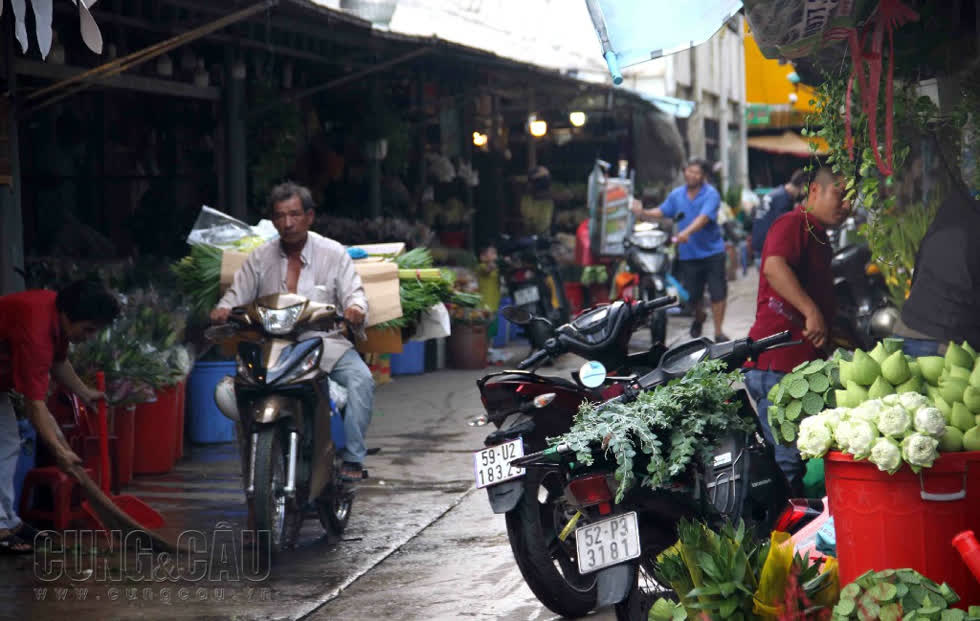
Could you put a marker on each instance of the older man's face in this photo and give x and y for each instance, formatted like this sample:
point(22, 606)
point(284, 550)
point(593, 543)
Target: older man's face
point(291, 220)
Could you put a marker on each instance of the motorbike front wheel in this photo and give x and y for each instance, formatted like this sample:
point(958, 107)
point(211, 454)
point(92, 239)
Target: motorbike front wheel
point(548, 564)
point(269, 501)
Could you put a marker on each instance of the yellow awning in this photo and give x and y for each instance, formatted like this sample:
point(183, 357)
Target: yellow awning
point(789, 143)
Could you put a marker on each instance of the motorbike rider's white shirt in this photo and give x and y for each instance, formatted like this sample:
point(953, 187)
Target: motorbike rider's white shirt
point(326, 275)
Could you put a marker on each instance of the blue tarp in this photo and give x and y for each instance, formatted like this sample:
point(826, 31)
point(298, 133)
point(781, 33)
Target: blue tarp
point(635, 31)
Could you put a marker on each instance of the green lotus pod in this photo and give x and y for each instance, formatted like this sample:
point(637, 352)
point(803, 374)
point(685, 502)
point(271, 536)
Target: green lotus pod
point(914, 384)
point(864, 369)
point(956, 356)
point(895, 369)
point(966, 346)
point(892, 344)
point(971, 398)
point(952, 389)
point(843, 399)
point(881, 388)
point(856, 394)
point(959, 373)
point(932, 368)
point(932, 392)
point(951, 441)
point(962, 417)
point(971, 439)
point(878, 353)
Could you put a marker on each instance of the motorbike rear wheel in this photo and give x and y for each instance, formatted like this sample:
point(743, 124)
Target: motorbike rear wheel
point(547, 564)
point(269, 502)
point(333, 508)
point(646, 591)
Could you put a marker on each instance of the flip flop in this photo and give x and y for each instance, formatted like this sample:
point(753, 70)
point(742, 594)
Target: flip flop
point(351, 471)
point(14, 545)
point(26, 531)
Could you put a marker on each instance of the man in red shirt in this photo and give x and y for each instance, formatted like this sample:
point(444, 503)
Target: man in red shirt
point(796, 293)
point(36, 328)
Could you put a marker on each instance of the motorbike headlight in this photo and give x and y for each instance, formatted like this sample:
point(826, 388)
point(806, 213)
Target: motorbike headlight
point(280, 320)
point(650, 262)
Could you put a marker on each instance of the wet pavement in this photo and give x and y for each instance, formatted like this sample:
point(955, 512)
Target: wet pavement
point(422, 542)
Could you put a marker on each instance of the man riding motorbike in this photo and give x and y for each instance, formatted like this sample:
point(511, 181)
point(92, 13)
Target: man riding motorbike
point(318, 268)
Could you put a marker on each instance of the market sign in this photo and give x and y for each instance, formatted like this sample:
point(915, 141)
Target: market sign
point(757, 114)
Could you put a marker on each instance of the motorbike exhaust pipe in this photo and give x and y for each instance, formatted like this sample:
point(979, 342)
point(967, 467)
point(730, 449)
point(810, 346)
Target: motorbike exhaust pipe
point(290, 489)
point(250, 490)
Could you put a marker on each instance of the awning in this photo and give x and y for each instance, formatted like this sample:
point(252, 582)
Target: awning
point(789, 143)
point(635, 31)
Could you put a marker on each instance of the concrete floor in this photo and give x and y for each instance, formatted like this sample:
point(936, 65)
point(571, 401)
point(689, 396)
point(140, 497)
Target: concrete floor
point(422, 542)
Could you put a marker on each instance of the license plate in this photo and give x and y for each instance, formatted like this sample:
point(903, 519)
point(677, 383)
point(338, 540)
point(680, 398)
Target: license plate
point(492, 465)
point(609, 542)
point(527, 295)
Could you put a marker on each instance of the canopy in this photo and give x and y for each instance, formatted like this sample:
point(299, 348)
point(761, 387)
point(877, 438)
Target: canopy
point(635, 31)
point(789, 143)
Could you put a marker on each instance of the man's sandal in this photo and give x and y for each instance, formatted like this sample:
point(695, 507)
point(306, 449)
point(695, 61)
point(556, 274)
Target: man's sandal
point(13, 544)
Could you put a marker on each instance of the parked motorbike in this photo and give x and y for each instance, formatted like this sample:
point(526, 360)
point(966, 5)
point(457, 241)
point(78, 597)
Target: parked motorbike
point(619, 543)
point(865, 312)
point(289, 430)
point(648, 259)
point(527, 408)
point(532, 276)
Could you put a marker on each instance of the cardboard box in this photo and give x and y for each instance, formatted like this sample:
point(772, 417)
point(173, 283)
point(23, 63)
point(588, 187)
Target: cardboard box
point(380, 280)
point(381, 341)
point(379, 277)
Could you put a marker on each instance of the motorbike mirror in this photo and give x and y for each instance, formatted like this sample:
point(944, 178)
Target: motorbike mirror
point(515, 315)
point(592, 374)
point(543, 401)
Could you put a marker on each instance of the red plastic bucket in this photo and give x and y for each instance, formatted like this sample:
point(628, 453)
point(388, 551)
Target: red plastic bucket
point(884, 521)
point(181, 401)
point(123, 425)
point(154, 439)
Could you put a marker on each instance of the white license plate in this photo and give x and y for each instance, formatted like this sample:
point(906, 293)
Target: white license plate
point(527, 295)
point(609, 542)
point(492, 465)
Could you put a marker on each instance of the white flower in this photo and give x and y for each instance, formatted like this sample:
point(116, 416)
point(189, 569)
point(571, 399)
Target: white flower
point(868, 411)
point(894, 421)
point(861, 438)
point(833, 417)
point(890, 400)
point(842, 434)
point(913, 401)
point(930, 421)
point(887, 455)
point(814, 438)
point(919, 451)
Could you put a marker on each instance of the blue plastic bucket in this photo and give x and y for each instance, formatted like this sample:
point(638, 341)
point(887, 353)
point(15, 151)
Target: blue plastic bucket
point(505, 329)
point(411, 361)
point(25, 459)
point(206, 423)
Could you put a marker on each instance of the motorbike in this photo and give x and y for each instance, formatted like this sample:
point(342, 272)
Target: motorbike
point(527, 408)
point(619, 543)
point(865, 312)
point(532, 276)
point(648, 259)
point(288, 426)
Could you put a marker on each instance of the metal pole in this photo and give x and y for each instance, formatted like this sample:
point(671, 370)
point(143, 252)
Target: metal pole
point(11, 216)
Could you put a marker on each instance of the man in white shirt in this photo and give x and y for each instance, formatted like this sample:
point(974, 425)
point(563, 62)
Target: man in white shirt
point(320, 269)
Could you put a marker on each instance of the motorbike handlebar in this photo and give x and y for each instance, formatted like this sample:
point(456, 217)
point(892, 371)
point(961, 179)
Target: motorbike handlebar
point(652, 305)
point(539, 356)
point(770, 342)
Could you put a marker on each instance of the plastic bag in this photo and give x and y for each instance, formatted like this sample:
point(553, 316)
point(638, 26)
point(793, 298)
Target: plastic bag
point(433, 324)
point(797, 28)
point(214, 228)
point(772, 581)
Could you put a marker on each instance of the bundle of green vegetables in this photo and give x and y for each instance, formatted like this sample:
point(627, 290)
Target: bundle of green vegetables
point(657, 436)
point(199, 277)
point(422, 286)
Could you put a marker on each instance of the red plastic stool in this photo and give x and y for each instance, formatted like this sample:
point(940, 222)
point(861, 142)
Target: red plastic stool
point(66, 503)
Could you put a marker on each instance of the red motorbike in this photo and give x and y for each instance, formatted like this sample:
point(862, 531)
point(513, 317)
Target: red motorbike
point(527, 408)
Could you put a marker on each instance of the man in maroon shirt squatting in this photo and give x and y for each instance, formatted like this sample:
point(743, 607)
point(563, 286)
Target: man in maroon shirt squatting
point(36, 328)
point(796, 293)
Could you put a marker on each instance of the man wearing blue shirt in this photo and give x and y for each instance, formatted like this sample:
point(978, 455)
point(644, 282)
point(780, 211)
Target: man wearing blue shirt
point(701, 248)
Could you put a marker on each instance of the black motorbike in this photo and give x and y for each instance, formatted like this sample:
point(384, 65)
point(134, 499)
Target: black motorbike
point(618, 543)
point(532, 277)
point(527, 409)
point(647, 257)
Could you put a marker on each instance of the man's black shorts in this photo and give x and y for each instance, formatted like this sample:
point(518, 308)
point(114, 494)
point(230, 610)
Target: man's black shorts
point(710, 271)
